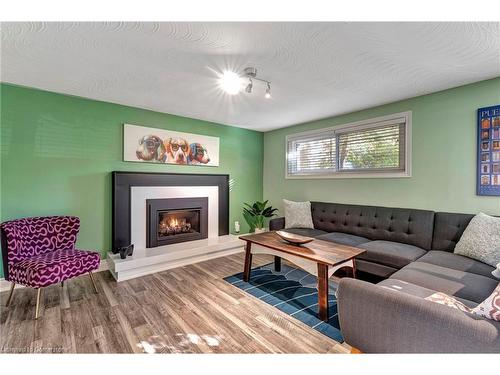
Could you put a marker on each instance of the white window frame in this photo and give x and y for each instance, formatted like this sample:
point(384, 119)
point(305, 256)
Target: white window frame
point(358, 125)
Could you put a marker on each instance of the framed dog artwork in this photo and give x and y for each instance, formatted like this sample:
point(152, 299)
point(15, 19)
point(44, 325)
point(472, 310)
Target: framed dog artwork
point(152, 145)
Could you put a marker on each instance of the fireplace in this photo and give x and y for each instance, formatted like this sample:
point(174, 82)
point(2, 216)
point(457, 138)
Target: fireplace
point(175, 220)
point(131, 190)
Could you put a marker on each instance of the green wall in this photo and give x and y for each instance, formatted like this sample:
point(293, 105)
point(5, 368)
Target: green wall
point(58, 151)
point(443, 158)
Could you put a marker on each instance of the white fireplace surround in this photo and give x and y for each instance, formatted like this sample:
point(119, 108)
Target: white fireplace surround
point(139, 195)
point(149, 260)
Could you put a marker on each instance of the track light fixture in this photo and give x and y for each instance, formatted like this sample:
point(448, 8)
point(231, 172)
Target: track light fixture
point(248, 89)
point(268, 91)
point(251, 74)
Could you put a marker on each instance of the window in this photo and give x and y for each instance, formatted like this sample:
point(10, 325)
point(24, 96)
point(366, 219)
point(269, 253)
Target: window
point(373, 148)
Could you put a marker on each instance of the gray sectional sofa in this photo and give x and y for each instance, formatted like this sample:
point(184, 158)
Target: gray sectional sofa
point(411, 251)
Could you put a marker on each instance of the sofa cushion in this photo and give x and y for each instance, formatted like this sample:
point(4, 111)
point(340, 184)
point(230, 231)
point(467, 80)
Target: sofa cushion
point(392, 254)
point(343, 238)
point(53, 267)
point(416, 290)
point(405, 225)
point(448, 228)
point(374, 268)
point(469, 286)
point(457, 262)
point(277, 223)
point(305, 231)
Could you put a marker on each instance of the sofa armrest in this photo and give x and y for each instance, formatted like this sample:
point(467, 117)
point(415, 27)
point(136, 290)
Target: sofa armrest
point(277, 223)
point(375, 319)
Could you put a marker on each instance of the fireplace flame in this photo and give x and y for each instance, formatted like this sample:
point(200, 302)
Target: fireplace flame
point(169, 226)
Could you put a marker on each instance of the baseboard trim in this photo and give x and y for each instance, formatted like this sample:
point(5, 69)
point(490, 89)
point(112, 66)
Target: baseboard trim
point(5, 285)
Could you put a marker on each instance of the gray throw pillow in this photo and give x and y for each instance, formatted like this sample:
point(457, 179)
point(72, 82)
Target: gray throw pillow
point(481, 240)
point(298, 214)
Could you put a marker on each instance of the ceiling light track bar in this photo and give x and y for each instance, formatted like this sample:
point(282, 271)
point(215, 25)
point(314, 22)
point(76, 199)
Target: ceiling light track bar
point(252, 74)
point(260, 79)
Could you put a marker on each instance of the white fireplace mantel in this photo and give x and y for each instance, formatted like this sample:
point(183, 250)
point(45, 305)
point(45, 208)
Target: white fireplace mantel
point(149, 260)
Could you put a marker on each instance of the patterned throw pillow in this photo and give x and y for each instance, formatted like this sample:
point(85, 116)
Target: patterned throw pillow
point(496, 272)
point(481, 240)
point(444, 299)
point(490, 308)
point(298, 214)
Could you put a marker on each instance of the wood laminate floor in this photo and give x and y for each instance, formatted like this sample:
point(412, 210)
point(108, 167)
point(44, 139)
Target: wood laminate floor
point(189, 309)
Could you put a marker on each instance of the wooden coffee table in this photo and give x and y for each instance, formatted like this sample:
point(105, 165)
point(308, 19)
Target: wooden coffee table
point(319, 258)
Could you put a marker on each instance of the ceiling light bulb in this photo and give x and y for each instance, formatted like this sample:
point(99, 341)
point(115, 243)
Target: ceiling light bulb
point(248, 89)
point(268, 92)
point(230, 82)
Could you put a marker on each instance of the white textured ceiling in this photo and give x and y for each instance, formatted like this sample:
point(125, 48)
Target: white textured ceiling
point(317, 69)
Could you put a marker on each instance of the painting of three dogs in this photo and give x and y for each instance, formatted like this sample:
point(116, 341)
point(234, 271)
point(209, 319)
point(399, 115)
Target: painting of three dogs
point(168, 147)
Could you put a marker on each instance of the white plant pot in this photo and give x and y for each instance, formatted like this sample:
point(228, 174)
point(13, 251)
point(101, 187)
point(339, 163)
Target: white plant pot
point(258, 230)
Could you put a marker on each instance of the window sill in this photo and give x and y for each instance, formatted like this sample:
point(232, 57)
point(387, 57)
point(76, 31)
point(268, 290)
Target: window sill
point(348, 175)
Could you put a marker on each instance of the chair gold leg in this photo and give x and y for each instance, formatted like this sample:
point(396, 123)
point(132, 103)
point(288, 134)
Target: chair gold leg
point(38, 295)
point(93, 282)
point(10, 294)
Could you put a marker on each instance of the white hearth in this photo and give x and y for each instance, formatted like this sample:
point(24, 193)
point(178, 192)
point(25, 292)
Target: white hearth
point(161, 258)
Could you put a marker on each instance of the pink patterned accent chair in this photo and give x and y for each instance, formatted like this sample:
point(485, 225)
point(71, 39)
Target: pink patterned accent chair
point(40, 251)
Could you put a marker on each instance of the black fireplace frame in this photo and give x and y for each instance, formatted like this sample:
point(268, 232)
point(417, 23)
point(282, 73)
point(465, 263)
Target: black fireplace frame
point(153, 205)
point(121, 189)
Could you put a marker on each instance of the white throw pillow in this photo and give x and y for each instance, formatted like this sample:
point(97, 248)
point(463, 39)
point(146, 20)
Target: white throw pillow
point(298, 214)
point(481, 240)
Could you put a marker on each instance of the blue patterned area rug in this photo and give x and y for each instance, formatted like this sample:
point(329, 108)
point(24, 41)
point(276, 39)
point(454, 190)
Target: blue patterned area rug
point(294, 292)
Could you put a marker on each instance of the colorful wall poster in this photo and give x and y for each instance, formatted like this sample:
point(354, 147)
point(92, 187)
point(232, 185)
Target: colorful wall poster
point(488, 160)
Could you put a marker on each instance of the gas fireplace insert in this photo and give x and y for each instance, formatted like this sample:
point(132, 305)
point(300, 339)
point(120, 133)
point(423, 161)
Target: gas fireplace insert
point(175, 220)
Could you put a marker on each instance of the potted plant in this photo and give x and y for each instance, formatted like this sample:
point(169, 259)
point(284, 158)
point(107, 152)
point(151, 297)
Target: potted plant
point(256, 214)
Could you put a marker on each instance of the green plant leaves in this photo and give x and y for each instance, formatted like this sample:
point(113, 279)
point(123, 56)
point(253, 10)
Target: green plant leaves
point(269, 212)
point(256, 213)
point(250, 219)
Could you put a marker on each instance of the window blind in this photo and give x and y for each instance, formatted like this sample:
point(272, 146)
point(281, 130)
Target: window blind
point(380, 148)
point(369, 147)
point(309, 155)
